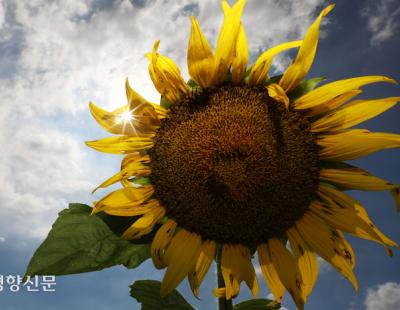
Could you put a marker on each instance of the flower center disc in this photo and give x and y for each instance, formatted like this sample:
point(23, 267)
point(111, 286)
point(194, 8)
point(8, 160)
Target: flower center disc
point(235, 166)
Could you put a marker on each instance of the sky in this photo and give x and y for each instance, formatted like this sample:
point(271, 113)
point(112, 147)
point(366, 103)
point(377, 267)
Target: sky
point(56, 56)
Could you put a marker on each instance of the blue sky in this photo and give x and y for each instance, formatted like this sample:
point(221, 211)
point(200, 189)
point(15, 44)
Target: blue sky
point(57, 55)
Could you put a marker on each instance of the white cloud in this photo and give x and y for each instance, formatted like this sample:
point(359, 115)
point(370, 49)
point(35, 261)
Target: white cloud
point(384, 297)
point(382, 20)
point(2, 14)
point(63, 54)
point(2, 239)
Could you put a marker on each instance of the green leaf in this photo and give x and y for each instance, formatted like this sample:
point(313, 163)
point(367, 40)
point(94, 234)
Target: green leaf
point(165, 103)
point(79, 242)
point(147, 292)
point(305, 87)
point(257, 304)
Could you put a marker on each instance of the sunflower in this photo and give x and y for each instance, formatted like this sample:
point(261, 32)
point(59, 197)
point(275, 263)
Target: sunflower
point(234, 163)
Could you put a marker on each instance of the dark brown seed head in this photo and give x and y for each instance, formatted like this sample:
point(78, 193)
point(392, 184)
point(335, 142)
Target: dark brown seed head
point(235, 166)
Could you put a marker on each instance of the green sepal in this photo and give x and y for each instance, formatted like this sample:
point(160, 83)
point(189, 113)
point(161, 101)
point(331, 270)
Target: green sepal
point(141, 181)
point(257, 304)
point(164, 103)
point(147, 292)
point(304, 87)
point(192, 83)
point(272, 80)
point(79, 242)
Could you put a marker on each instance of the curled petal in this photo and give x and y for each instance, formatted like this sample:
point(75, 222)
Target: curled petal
point(304, 59)
point(261, 67)
point(166, 76)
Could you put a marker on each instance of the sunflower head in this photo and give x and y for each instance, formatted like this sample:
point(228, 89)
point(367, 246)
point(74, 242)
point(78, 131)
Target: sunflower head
point(241, 162)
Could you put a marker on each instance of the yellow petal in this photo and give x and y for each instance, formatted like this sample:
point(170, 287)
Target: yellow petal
point(261, 67)
point(181, 256)
point(287, 270)
point(304, 59)
point(334, 103)
point(135, 100)
point(135, 168)
point(227, 41)
point(355, 178)
point(345, 213)
point(276, 92)
point(144, 225)
point(121, 144)
point(199, 271)
point(161, 241)
point(241, 52)
point(240, 57)
point(126, 121)
point(200, 57)
point(352, 144)
point(236, 266)
point(133, 210)
point(353, 114)
point(269, 273)
point(327, 92)
point(124, 198)
point(166, 76)
point(306, 261)
point(326, 242)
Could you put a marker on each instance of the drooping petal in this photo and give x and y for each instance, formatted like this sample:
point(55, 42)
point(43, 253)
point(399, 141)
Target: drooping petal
point(134, 168)
point(353, 114)
point(276, 92)
point(287, 270)
point(180, 256)
point(306, 261)
point(304, 59)
point(327, 92)
point(121, 144)
point(166, 76)
point(334, 103)
point(203, 263)
point(145, 224)
point(236, 267)
point(326, 242)
point(355, 178)
point(200, 57)
point(347, 214)
point(269, 273)
point(123, 198)
point(161, 241)
point(356, 143)
point(227, 41)
point(261, 67)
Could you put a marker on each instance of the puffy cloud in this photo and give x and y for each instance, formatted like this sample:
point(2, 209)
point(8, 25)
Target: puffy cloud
point(384, 297)
point(382, 20)
point(56, 56)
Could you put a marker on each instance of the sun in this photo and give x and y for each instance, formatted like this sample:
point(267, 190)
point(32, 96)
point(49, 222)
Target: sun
point(234, 163)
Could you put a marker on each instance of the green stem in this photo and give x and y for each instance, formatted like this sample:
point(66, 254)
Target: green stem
point(223, 304)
